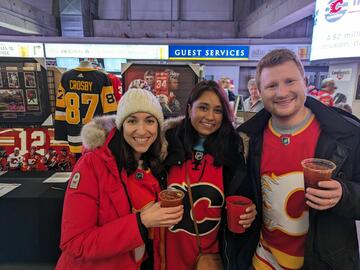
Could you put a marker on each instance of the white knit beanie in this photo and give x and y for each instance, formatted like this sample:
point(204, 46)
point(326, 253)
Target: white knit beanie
point(138, 100)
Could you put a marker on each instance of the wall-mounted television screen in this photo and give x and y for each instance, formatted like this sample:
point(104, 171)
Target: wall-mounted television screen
point(113, 64)
point(67, 62)
point(336, 32)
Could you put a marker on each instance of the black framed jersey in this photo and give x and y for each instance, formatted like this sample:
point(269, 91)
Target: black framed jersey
point(82, 94)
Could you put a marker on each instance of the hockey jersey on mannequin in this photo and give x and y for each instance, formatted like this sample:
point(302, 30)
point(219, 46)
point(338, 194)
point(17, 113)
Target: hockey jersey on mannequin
point(82, 94)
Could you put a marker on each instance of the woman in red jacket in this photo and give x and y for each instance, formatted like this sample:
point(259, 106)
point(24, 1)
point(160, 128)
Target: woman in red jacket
point(110, 216)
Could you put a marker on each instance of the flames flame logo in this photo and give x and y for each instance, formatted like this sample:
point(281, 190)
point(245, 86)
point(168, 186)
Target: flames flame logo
point(335, 10)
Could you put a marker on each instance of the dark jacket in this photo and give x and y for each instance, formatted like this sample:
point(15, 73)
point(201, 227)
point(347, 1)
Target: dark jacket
point(234, 173)
point(332, 239)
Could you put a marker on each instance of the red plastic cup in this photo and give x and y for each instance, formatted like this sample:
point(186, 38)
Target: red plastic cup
point(235, 207)
point(171, 197)
point(316, 170)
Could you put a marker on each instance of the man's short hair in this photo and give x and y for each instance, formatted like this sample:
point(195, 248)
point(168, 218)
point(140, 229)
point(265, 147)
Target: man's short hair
point(325, 82)
point(251, 82)
point(277, 57)
point(223, 79)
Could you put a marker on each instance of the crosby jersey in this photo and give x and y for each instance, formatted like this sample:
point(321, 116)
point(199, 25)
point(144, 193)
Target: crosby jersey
point(82, 94)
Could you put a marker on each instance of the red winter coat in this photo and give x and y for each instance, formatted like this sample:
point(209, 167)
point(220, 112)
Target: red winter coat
point(98, 229)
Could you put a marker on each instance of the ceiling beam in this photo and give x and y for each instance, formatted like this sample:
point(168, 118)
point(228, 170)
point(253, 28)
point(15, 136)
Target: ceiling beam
point(20, 17)
point(274, 15)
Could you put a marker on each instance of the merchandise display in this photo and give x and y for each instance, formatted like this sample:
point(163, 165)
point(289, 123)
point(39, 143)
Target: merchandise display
point(83, 93)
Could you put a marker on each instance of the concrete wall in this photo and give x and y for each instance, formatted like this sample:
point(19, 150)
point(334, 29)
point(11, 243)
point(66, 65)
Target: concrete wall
point(44, 5)
point(110, 9)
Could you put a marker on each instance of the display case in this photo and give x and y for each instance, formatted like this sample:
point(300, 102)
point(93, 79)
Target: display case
point(24, 96)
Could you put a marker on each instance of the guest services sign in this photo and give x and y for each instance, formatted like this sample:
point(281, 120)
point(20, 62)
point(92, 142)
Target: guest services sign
point(209, 52)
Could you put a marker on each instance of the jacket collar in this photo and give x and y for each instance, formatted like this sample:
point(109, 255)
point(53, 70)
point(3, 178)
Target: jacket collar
point(174, 135)
point(330, 121)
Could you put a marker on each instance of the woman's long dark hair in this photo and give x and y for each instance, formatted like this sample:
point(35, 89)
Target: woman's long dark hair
point(125, 158)
point(218, 142)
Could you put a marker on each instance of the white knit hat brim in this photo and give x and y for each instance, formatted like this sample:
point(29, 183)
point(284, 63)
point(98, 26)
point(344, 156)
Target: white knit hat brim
point(138, 100)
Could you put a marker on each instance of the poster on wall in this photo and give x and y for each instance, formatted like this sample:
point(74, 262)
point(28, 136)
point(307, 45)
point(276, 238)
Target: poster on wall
point(171, 84)
point(33, 149)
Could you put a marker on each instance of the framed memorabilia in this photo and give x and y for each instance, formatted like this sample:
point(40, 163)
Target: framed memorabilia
point(13, 79)
point(24, 96)
point(12, 100)
point(171, 84)
point(55, 155)
point(31, 97)
point(29, 79)
point(1, 81)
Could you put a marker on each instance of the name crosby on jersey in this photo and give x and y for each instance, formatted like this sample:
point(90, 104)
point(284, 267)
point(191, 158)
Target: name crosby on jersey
point(80, 85)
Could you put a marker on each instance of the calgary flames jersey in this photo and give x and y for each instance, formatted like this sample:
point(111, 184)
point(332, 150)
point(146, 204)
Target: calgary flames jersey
point(82, 94)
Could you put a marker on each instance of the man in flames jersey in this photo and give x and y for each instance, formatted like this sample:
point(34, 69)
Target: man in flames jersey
point(15, 159)
point(285, 214)
point(31, 160)
point(82, 94)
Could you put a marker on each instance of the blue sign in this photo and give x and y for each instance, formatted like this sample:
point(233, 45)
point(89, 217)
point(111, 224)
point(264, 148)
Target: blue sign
point(208, 52)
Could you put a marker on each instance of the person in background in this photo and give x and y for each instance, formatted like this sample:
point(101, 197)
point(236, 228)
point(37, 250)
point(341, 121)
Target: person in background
point(225, 83)
point(298, 228)
point(111, 217)
point(65, 160)
point(31, 160)
point(149, 77)
point(205, 147)
point(15, 160)
point(4, 165)
point(253, 103)
point(51, 159)
point(325, 95)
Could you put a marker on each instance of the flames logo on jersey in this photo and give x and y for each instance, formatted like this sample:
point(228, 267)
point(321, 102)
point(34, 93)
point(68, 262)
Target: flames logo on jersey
point(335, 10)
point(206, 197)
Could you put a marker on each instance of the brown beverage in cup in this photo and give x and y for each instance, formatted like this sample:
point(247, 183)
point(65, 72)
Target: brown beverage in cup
point(316, 170)
point(171, 197)
point(235, 207)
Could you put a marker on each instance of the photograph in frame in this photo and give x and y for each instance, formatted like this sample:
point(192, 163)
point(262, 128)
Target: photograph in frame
point(12, 100)
point(171, 84)
point(13, 79)
point(31, 97)
point(29, 79)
